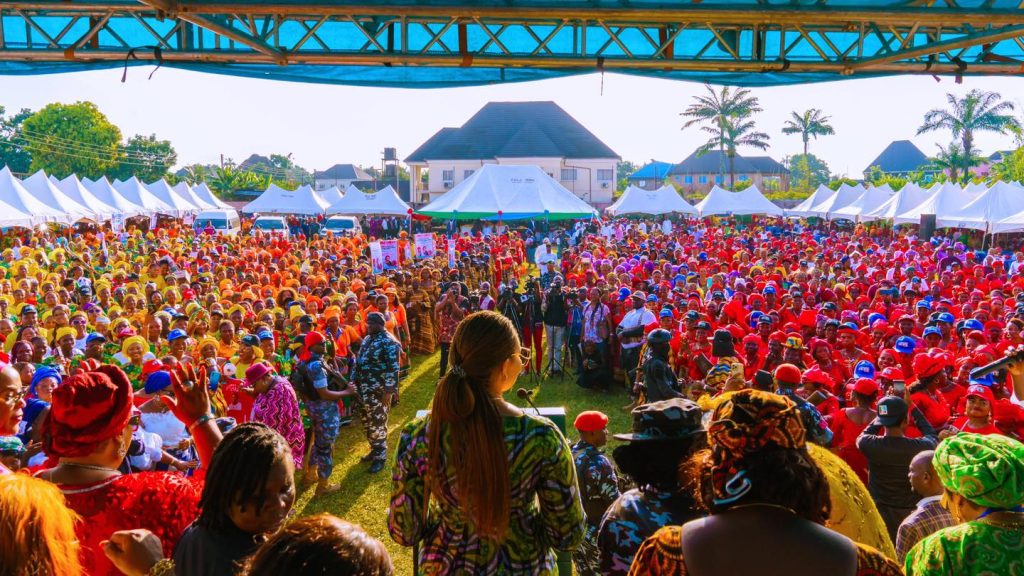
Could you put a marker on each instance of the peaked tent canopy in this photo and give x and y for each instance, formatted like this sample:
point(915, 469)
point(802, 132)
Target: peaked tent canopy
point(74, 189)
point(204, 193)
point(664, 200)
point(945, 204)
point(720, 202)
point(179, 205)
point(909, 196)
point(753, 202)
point(9, 215)
point(14, 194)
point(842, 198)
point(382, 202)
point(137, 193)
point(1000, 202)
point(107, 194)
point(508, 192)
point(332, 194)
point(276, 200)
point(185, 191)
point(870, 200)
point(40, 186)
point(803, 209)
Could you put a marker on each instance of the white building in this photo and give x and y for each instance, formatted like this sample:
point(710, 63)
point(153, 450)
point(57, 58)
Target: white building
point(529, 133)
point(341, 176)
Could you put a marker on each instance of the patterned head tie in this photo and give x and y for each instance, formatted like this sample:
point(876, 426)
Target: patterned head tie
point(987, 470)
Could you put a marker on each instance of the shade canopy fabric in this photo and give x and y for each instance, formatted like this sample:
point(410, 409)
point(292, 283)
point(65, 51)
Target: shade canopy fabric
point(870, 200)
point(906, 198)
point(205, 194)
point(987, 212)
point(945, 203)
point(11, 215)
point(137, 193)
point(276, 200)
point(509, 192)
point(74, 189)
point(382, 202)
point(107, 194)
point(178, 204)
point(721, 202)
point(40, 186)
point(843, 197)
point(664, 200)
point(803, 209)
point(185, 191)
point(23, 202)
point(330, 195)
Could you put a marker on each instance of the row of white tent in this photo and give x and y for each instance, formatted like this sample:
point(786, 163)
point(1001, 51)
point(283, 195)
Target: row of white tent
point(41, 199)
point(718, 202)
point(309, 202)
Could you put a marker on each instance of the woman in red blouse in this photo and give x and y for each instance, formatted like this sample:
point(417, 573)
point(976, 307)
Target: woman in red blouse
point(848, 423)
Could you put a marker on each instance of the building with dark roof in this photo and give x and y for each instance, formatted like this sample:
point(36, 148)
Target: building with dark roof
point(650, 176)
point(699, 173)
point(533, 133)
point(901, 158)
point(341, 175)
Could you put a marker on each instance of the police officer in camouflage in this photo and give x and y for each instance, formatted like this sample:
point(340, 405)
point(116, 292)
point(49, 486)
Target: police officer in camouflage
point(375, 376)
point(598, 485)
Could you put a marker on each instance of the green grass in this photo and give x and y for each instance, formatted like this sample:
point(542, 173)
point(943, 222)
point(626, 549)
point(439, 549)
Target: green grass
point(364, 497)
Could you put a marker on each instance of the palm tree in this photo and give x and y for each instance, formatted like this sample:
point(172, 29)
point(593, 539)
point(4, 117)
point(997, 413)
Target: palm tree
point(716, 110)
point(730, 134)
point(978, 111)
point(811, 123)
point(224, 180)
point(951, 161)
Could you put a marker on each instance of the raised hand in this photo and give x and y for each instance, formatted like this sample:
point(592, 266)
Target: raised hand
point(191, 393)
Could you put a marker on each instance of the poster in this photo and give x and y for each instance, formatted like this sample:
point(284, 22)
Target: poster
point(117, 222)
point(376, 257)
point(425, 246)
point(389, 251)
point(451, 253)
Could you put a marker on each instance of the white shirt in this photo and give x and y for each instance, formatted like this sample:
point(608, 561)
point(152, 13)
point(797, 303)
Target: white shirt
point(634, 319)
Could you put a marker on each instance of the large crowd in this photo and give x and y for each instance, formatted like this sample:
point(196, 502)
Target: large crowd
point(800, 394)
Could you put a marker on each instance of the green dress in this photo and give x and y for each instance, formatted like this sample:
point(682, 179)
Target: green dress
point(978, 548)
point(546, 513)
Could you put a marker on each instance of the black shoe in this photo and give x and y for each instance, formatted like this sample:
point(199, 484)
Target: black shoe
point(377, 466)
point(367, 458)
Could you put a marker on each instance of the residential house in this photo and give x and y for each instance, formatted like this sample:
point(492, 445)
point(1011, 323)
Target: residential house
point(651, 176)
point(901, 158)
point(521, 133)
point(341, 176)
point(697, 174)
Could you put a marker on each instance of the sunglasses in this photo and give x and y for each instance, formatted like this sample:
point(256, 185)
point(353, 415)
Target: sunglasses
point(14, 396)
point(525, 355)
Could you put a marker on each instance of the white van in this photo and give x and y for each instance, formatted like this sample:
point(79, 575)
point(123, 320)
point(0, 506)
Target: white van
point(271, 225)
point(339, 225)
point(224, 222)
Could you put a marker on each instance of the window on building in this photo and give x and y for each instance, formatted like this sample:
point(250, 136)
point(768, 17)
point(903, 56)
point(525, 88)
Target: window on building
point(744, 177)
point(718, 178)
point(568, 175)
point(688, 179)
point(467, 173)
point(448, 175)
point(641, 183)
point(606, 175)
point(703, 179)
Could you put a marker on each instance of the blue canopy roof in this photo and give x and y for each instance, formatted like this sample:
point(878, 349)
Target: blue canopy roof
point(440, 43)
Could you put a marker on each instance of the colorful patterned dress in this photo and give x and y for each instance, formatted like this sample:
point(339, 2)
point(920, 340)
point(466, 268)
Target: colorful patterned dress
point(279, 408)
point(982, 547)
point(545, 513)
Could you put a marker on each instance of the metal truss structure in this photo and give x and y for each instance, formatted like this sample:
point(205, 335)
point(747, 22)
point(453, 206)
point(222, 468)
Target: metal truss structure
point(429, 43)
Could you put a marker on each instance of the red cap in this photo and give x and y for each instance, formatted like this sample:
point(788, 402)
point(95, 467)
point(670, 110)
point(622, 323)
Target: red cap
point(590, 421)
point(867, 386)
point(977, 335)
point(892, 373)
point(929, 363)
point(983, 392)
point(787, 373)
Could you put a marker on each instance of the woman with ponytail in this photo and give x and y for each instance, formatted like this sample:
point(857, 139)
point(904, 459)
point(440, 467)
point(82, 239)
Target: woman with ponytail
point(482, 486)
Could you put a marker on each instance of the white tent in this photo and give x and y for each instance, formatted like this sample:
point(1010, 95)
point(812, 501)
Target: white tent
point(75, 190)
point(137, 193)
point(204, 193)
point(976, 187)
point(751, 201)
point(842, 198)
point(276, 200)
point(9, 214)
point(179, 205)
point(870, 200)
point(40, 186)
point(1000, 202)
point(185, 191)
point(107, 194)
point(803, 209)
point(14, 194)
point(509, 192)
point(382, 202)
point(945, 204)
point(664, 200)
point(909, 196)
point(332, 194)
point(745, 202)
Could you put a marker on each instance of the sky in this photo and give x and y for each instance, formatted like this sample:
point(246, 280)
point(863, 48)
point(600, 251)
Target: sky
point(206, 116)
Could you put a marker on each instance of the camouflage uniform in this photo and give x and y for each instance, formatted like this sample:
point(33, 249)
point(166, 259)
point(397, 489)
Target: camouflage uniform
point(326, 421)
point(598, 490)
point(376, 373)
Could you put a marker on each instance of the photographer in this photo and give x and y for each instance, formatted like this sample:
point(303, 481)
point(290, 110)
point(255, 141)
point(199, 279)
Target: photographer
point(631, 333)
point(533, 323)
point(556, 316)
point(450, 311)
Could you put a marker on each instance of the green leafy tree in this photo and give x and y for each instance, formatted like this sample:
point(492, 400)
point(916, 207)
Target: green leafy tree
point(807, 172)
point(1011, 167)
point(623, 170)
point(721, 114)
point(66, 139)
point(835, 184)
point(146, 158)
point(812, 123)
point(954, 162)
point(978, 111)
point(731, 134)
point(12, 149)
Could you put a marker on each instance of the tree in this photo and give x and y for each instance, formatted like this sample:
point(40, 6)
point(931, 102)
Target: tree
point(811, 123)
point(978, 111)
point(66, 139)
point(729, 135)
point(716, 111)
point(952, 160)
point(146, 158)
point(12, 150)
point(807, 172)
point(623, 170)
point(1011, 167)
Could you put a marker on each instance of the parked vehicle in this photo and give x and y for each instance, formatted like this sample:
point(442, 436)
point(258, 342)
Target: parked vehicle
point(224, 222)
point(271, 225)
